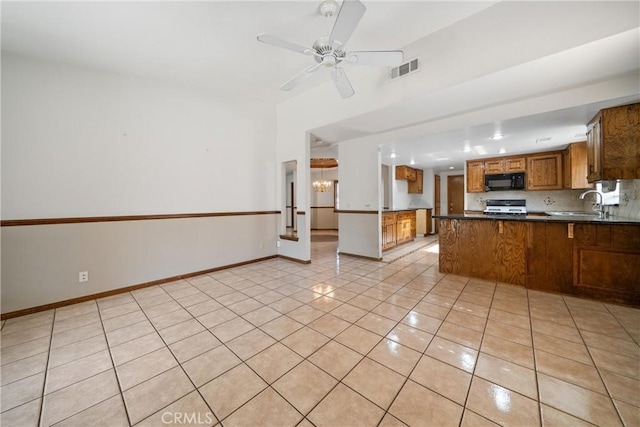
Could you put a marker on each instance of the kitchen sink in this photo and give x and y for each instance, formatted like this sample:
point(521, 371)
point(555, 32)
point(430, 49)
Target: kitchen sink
point(583, 214)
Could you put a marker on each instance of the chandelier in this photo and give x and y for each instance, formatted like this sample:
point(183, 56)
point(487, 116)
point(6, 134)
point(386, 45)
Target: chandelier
point(322, 185)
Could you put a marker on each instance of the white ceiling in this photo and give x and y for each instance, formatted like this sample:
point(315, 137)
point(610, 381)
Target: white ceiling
point(211, 45)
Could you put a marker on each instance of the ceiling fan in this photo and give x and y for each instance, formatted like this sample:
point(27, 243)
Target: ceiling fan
point(329, 51)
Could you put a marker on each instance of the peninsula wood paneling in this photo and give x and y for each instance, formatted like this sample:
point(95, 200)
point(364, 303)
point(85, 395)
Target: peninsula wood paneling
point(596, 260)
point(492, 250)
point(549, 257)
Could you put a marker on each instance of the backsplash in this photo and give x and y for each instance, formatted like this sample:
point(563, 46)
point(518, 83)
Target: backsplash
point(563, 200)
point(538, 201)
point(629, 200)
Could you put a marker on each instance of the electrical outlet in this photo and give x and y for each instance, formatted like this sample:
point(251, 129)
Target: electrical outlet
point(83, 276)
point(277, 243)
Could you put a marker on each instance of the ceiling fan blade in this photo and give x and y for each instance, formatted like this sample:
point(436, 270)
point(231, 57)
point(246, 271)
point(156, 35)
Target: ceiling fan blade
point(348, 17)
point(382, 57)
point(304, 74)
point(275, 41)
point(341, 81)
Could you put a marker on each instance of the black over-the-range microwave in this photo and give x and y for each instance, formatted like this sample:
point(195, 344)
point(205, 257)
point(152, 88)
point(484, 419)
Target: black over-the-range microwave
point(504, 181)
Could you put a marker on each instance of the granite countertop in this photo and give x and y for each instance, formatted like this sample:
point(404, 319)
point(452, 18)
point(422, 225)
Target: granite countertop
point(543, 218)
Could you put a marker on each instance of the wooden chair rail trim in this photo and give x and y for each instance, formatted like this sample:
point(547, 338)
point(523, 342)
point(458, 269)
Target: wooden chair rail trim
point(80, 220)
point(355, 211)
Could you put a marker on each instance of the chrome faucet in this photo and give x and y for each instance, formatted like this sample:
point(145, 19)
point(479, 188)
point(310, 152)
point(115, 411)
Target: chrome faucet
point(599, 208)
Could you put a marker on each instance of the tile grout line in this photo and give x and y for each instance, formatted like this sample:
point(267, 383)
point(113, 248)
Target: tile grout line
point(475, 365)
point(177, 361)
point(535, 359)
point(46, 370)
point(606, 387)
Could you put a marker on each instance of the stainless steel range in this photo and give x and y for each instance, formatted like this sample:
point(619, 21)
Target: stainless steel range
point(506, 207)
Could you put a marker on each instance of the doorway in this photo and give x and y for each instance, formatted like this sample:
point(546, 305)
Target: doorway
point(455, 194)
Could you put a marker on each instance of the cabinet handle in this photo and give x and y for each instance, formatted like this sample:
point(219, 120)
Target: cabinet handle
point(570, 230)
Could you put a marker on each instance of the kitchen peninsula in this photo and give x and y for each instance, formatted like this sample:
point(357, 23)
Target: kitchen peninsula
point(599, 258)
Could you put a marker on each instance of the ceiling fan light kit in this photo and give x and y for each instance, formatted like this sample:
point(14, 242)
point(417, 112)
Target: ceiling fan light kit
point(330, 52)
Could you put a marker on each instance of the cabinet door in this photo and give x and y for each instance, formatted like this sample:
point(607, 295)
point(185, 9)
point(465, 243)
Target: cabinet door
point(415, 187)
point(494, 166)
point(544, 172)
point(401, 172)
point(620, 142)
point(574, 160)
point(515, 165)
point(475, 177)
point(594, 150)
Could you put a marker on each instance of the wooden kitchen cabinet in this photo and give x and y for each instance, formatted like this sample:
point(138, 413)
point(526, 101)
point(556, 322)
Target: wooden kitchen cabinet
point(505, 165)
point(405, 173)
point(544, 171)
point(404, 227)
point(388, 230)
point(613, 144)
point(475, 176)
point(415, 187)
point(398, 228)
point(575, 167)
point(606, 262)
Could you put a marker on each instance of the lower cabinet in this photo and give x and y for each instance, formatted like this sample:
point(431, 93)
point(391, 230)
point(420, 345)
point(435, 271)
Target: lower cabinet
point(595, 260)
point(398, 228)
point(388, 231)
point(606, 262)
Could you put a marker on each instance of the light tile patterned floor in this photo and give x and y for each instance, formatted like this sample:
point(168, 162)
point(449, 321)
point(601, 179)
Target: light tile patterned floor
point(339, 342)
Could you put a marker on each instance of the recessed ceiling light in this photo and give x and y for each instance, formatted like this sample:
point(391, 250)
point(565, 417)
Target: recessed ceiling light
point(502, 151)
point(393, 155)
point(412, 162)
point(441, 159)
point(497, 137)
point(466, 149)
point(450, 167)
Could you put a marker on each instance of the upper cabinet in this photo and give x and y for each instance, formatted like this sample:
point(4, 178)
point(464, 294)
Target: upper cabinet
point(415, 187)
point(613, 144)
point(544, 171)
point(405, 173)
point(506, 165)
point(475, 176)
point(415, 178)
point(574, 159)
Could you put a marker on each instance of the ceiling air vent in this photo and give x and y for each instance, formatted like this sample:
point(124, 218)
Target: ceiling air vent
point(404, 69)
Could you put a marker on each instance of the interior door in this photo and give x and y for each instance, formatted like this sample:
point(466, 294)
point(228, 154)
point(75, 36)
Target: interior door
point(455, 194)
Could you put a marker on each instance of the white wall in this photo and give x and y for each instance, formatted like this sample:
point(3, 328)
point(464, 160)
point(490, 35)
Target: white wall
point(78, 142)
point(360, 177)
